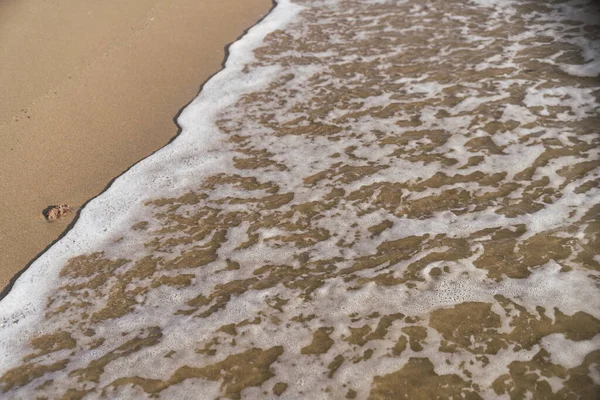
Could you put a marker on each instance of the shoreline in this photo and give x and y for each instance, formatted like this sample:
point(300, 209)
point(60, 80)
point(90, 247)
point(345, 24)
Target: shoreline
point(109, 100)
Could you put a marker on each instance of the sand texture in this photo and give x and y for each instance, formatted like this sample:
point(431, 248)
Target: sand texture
point(88, 89)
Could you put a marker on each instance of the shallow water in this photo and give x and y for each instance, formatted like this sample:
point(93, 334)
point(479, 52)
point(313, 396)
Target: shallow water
point(375, 199)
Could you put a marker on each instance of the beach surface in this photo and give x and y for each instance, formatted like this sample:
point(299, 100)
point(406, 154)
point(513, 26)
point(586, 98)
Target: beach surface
point(88, 89)
point(373, 199)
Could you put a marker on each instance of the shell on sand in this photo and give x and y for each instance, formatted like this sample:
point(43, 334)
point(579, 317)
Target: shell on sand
point(53, 213)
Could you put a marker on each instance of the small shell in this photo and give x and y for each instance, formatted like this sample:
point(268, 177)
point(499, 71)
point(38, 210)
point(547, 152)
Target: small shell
point(53, 213)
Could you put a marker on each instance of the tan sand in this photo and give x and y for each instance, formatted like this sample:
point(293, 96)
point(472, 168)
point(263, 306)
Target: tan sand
point(90, 88)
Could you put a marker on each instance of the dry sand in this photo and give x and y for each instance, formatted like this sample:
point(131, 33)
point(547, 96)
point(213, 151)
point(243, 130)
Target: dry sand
point(90, 88)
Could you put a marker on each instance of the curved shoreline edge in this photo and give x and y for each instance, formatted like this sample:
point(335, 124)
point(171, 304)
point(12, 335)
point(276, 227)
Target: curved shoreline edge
point(111, 210)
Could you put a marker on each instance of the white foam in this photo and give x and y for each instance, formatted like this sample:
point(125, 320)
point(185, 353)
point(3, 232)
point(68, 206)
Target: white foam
point(556, 343)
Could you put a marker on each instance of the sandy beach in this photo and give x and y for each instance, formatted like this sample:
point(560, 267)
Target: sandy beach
point(88, 89)
point(371, 200)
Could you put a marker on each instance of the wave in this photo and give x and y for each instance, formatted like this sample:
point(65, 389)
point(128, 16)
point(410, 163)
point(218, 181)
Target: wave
point(373, 199)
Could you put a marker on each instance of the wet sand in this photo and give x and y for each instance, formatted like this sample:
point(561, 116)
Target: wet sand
point(90, 89)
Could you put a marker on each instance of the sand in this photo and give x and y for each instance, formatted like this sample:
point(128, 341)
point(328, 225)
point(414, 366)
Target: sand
point(89, 89)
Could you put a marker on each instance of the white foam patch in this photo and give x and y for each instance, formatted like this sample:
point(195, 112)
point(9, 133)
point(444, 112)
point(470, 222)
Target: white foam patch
point(556, 343)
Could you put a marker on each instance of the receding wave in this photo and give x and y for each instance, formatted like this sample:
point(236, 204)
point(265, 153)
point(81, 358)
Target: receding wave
point(374, 199)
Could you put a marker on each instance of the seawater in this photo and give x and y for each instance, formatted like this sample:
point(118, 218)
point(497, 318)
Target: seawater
point(374, 199)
